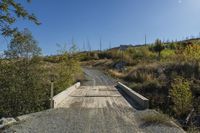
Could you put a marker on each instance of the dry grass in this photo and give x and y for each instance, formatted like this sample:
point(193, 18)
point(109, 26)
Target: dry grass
point(116, 74)
point(193, 130)
point(157, 118)
point(97, 63)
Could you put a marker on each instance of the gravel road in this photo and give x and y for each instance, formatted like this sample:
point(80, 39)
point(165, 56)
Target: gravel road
point(91, 109)
point(93, 75)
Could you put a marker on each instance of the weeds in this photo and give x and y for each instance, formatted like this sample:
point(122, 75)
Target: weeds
point(157, 118)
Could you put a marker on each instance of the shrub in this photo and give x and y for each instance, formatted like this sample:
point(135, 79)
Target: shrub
point(158, 47)
point(157, 118)
point(167, 53)
point(23, 88)
point(105, 55)
point(151, 86)
point(25, 77)
point(142, 73)
point(140, 53)
point(181, 95)
point(135, 86)
point(192, 52)
point(184, 69)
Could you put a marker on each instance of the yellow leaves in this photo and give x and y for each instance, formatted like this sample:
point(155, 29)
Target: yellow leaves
point(167, 53)
point(192, 52)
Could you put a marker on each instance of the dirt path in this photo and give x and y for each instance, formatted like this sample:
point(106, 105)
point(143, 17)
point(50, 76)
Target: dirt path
point(99, 77)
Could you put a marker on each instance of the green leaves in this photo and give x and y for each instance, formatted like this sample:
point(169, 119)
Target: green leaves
point(23, 45)
point(10, 12)
point(24, 88)
point(67, 68)
point(192, 52)
point(22, 77)
point(158, 47)
point(181, 95)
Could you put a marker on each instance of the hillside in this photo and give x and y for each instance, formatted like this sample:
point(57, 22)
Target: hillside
point(158, 76)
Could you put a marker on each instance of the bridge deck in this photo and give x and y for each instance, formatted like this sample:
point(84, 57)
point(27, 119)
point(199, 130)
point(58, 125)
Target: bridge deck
point(100, 109)
point(95, 97)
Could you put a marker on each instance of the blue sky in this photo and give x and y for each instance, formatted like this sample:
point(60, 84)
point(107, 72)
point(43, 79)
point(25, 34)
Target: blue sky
point(114, 21)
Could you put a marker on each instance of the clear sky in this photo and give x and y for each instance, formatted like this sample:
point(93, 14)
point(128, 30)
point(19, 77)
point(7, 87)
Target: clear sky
point(114, 21)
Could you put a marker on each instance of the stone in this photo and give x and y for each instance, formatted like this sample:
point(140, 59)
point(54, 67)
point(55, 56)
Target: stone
point(6, 121)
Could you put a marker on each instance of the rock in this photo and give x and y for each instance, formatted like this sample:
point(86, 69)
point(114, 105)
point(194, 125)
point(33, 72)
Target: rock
point(6, 121)
point(120, 65)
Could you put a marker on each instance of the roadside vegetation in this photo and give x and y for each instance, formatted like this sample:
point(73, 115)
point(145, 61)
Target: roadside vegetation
point(167, 73)
point(25, 76)
point(157, 118)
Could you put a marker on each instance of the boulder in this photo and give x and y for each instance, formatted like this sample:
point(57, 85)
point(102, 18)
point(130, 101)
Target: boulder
point(6, 122)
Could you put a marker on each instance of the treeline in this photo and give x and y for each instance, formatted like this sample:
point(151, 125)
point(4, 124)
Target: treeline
point(25, 76)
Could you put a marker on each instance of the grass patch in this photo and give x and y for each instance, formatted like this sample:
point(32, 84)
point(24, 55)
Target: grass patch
point(116, 74)
point(193, 130)
point(157, 118)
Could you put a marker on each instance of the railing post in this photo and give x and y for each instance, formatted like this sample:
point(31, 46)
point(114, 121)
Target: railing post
point(51, 103)
point(94, 82)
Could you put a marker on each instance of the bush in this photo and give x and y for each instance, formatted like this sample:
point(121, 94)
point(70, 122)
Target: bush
point(65, 72)
point(142, 73)
point(192, 52)
point(167, 53)
point(184, 69)
point(140, 53)
point(25, 77)
point(152, 86)
point(105, 55)
point(136, 86)
point(23, 88)
point(181, 96)
point(157, 118)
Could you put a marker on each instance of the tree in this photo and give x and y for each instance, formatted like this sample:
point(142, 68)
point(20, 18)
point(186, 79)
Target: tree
point(172, 46)
point(10, 12)
point(67, 68)
point(181, 95)
point(158, 47)
point(191, 53)
point(22, 78)
point(23, 45)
